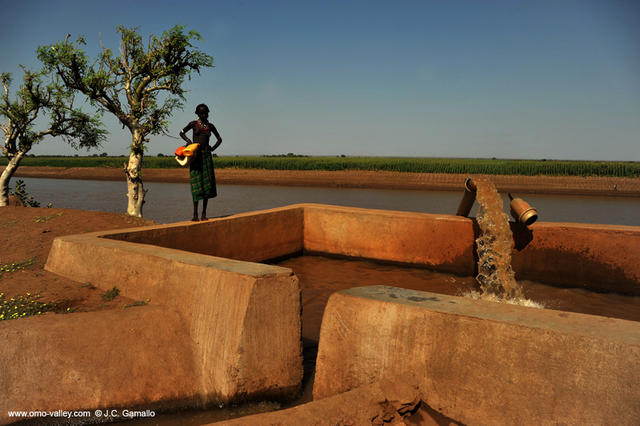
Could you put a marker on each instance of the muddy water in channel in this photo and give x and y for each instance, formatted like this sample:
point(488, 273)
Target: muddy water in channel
point(320, 276)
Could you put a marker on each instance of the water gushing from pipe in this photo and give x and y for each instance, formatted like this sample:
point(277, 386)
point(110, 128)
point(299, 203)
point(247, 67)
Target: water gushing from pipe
point(494, 247)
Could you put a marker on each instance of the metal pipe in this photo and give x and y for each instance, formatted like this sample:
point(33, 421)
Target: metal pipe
point(522, 212)
point(468, 198)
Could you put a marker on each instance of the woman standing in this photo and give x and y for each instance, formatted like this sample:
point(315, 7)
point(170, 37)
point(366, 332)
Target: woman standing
point(203, 179)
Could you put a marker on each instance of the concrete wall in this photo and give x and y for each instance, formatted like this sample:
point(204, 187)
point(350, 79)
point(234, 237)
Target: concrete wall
point(135, 357)
point(242, 318)
point(439, 241)
point(598, 257)
point(249, 236)
point(483, 362)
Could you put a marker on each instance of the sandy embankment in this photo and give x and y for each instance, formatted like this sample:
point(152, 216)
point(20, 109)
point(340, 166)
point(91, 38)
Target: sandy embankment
point(575, 185)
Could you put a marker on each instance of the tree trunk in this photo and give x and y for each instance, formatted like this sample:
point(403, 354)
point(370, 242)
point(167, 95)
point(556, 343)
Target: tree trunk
point(5, 178)
point(133, 171)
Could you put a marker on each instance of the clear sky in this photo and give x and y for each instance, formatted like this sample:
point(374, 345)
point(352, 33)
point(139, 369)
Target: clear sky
point(509, 79)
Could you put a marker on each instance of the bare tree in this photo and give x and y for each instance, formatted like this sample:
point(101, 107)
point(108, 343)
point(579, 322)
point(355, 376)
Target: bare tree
point(130, 86)
point(20, 124)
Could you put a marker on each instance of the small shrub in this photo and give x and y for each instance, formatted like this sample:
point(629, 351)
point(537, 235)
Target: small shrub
point(20, 191)
point(40, 219)
point(137, 303)
point(111, 294)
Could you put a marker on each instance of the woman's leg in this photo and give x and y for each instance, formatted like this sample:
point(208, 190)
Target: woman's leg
point(195, 211)
point(204, 209)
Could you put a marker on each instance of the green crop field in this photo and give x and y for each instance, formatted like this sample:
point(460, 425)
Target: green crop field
point(397, 164)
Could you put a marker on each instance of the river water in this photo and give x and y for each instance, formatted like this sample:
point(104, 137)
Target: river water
point(171, 202)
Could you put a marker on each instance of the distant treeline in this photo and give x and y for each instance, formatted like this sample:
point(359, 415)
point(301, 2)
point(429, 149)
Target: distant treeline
point(396, 164)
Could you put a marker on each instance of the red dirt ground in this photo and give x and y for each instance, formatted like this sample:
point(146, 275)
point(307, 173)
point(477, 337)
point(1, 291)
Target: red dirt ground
point(27, 233)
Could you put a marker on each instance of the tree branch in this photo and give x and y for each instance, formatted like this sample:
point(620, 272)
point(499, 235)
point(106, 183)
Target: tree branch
point(141, 86)
point(5, 127)
point(126, 69)
point(6, 88)
point(156, 88)
point(47, 132)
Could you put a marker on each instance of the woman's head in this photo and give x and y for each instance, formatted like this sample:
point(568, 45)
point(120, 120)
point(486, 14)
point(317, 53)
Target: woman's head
point(202, 109)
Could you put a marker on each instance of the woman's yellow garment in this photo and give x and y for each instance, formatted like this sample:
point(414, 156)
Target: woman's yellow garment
point(184, 155)
point(190, 149)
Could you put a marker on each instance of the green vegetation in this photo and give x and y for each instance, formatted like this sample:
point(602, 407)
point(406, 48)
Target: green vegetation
point(13, 267)
point(111, 294)
point(8, 223)
point(20, 191)
point(40, 219)
point(23, 116)
point(396, 164)
point(23, 306)
point(137, 303)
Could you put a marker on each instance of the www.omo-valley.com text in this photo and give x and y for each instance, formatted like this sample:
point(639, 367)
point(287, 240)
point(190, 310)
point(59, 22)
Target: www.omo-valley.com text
point(66, 414)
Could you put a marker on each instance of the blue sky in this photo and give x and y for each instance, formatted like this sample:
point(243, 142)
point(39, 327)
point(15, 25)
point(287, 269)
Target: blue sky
point(508, 79)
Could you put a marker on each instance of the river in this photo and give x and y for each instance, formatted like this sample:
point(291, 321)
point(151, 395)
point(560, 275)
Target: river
point(171, 202)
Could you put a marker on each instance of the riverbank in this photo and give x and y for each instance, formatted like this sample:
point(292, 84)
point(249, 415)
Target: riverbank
point(573, 185)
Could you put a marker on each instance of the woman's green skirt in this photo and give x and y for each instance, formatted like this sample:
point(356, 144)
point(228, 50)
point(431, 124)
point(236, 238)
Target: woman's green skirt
point(203, 178)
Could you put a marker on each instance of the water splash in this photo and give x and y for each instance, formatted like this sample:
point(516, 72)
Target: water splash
point(494, 246)
point(520, 301)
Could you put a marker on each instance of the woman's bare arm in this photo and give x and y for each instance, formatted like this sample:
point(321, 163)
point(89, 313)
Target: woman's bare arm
point(217, 135)
point(183, 133)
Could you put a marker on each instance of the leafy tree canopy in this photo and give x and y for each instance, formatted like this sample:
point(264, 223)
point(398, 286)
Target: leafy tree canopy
point(128, 85)
point(40, 94)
